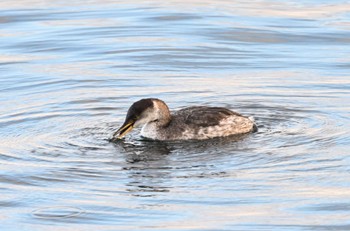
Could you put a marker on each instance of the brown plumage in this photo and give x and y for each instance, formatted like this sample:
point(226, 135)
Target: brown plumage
point(197, 122)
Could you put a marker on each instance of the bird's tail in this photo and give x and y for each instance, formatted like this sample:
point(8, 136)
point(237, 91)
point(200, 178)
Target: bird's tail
point(255, 128)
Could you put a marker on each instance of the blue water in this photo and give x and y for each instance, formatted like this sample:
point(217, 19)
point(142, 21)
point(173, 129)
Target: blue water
point(69, 70)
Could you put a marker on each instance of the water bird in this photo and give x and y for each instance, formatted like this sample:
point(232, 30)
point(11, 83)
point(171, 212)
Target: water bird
point(195, 122)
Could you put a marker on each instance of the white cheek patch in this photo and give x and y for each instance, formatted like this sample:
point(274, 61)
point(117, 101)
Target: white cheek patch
point(139, 122)
point(147, 116)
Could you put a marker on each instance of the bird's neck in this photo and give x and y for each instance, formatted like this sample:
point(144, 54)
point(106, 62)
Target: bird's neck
point(164, 115)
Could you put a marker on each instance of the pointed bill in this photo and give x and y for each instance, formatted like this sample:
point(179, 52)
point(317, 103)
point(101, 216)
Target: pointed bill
point(123, 130)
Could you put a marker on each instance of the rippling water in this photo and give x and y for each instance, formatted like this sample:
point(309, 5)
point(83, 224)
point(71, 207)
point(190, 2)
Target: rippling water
point(70, 70)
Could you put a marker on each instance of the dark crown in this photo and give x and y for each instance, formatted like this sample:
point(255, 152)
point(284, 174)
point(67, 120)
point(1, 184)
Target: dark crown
point(138, 107)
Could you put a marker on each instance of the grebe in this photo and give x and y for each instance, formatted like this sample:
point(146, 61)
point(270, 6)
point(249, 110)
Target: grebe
point(197, 122)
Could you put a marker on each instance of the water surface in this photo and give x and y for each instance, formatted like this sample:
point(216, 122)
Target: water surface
point(70, 70)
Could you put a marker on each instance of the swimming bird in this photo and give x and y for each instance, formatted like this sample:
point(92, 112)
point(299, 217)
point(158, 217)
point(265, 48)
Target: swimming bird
point(196, 122)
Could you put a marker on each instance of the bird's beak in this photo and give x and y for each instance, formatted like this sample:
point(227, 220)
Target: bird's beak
point(123, 130)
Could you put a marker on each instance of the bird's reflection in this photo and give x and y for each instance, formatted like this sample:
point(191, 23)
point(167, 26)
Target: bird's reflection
point(153, 165)
point(147, 165)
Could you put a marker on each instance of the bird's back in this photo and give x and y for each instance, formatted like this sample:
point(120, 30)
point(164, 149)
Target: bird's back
point(201, 122)
point(203, 116)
